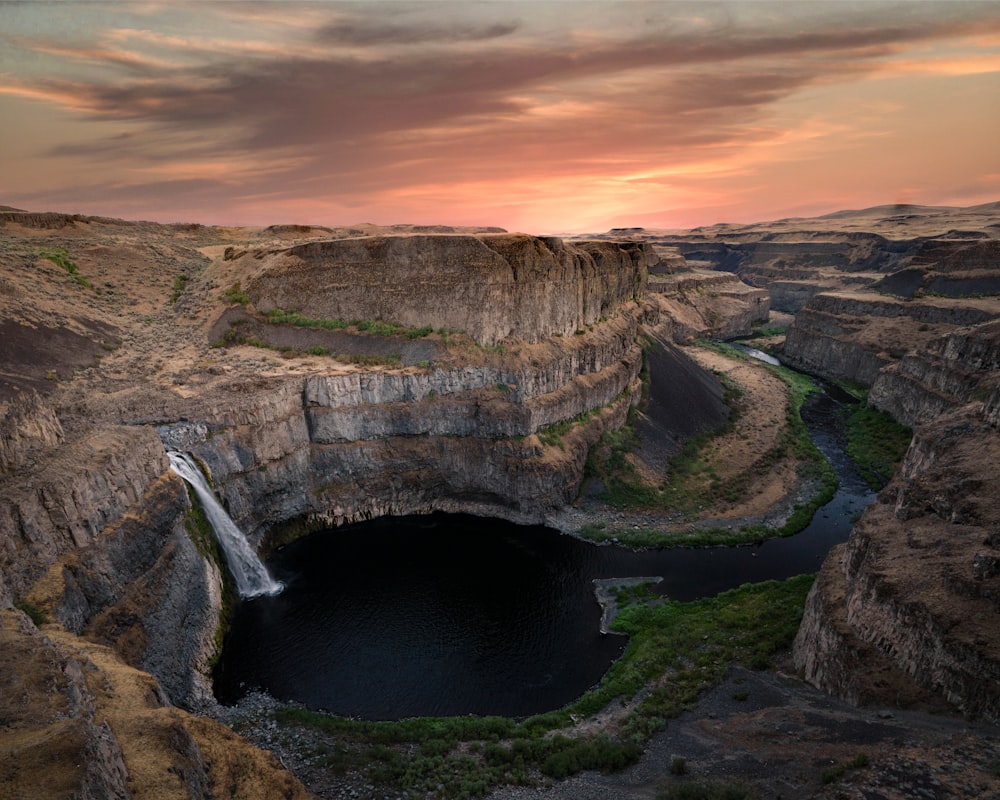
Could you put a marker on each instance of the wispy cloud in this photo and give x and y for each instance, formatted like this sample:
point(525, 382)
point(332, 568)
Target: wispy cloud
point(388, 104)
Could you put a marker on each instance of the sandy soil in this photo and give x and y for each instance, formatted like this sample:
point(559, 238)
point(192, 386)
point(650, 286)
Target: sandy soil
point(770, 491)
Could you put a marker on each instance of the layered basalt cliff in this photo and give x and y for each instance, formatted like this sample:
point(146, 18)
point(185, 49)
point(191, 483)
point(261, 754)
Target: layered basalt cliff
point(342, 447)
point(97, 533)
point(494, 288)
point(853, 335)
point(95, 529)
point(948, 373)
point(703, 303)
point(905, 612)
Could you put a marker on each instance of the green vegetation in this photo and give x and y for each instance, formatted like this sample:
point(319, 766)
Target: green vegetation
point(706, 790)
point(37, 614)
point(552, 435)
point(59, 257)
point(675, 652)
point(877, 443)
point(765, 330)
point(837, 771)
point(685, 487)
point(179, 283)
point(376, 327)
point(199, 530)
point(692, 480)
point(233, 337)
point(234, 294)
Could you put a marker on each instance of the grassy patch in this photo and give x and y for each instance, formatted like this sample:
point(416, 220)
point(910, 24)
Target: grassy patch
point(59, 257)
point(375, 327)
point(37, 614)
point(552, 435)
point(235, 294)
point(706, 790)
point(764, 330)
point(877, 443)
point(233, 337)
point(693, 482)
point(676, 651)
point(838, 771)
point(179, 283)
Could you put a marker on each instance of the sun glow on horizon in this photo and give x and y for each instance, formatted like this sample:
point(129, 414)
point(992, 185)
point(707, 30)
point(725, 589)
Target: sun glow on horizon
point(532, 116)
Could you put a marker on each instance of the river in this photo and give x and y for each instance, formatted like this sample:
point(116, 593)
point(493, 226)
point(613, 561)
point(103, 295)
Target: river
point(452, 614)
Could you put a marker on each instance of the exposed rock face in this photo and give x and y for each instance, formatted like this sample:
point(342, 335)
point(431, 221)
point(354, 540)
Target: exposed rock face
point(95, 528)
point(28, 427)
point(93, 727)
point(339, 448)
point(69, 495)
point(701, 303)
point(907, 609)
point(495, 288)
point(950, 372)
point(853, 335)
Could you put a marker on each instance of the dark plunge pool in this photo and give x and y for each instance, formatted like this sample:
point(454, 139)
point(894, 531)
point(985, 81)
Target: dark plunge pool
point(452, 614)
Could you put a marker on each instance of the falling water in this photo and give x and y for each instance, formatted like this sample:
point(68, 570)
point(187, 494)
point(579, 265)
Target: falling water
point(252, 578)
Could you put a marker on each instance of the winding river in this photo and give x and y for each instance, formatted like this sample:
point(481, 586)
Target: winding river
point(452, 614)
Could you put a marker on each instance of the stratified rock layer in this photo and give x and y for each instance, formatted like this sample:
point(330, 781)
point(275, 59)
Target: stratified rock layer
point(906, 611)
point(495, 288)
point(853, 335)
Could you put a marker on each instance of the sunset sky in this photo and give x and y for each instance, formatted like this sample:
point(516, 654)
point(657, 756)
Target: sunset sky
point(544, 117)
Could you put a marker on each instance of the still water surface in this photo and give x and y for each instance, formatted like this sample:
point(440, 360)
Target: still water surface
point(452, 614)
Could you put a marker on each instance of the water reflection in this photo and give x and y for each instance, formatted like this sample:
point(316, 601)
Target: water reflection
point(452, 614)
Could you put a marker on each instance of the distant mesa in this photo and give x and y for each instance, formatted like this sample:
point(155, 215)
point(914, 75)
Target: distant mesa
point(296, 230)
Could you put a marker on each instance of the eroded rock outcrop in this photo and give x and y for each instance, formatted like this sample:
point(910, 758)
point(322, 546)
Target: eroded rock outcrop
point(343, 447)
point(495, 288)
point(948, 373)
point(853, 335)
point(906, 611)
point(79, 723)
point(714, 304)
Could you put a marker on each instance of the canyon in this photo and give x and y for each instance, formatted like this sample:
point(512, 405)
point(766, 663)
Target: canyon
point(325, 376)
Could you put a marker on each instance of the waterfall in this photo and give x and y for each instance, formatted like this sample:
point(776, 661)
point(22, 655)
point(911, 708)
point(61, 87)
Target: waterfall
point(252, 578)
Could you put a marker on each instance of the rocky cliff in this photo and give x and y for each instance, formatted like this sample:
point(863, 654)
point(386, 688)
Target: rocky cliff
point(100, 541)
point(348, 446)
point(701, 303)
point(853, 335)
point(490, 412)
point(494, 288)
point(905, 612)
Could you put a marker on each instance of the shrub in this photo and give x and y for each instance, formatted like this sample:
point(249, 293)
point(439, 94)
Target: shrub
point(37, 614)
point(59, 257)
point(706, 790)
point(234, 294)
point(179, 283)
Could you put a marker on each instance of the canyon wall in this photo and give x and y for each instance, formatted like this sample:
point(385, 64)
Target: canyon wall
point(343, 447)
point(905, 613)
point(853, 335)
point(96, 531)
point(100, 541)
point(494, 288)
point(701, 303)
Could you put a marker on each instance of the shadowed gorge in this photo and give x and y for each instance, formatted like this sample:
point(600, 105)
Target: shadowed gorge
point(326, 377)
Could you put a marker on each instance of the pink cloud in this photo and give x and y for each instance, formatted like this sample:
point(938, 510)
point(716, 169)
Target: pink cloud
point(489, 109)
